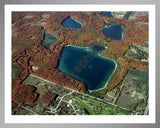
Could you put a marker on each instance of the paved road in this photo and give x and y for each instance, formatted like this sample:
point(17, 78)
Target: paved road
point(71, 106)
point(30, 110)
point(62, 99)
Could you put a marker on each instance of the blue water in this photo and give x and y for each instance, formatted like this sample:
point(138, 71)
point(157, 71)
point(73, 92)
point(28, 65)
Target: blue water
point(114, 32)
point(108, 13)
point(84, 65)
point(70, 23)
point(49, 39)
point(95, 49)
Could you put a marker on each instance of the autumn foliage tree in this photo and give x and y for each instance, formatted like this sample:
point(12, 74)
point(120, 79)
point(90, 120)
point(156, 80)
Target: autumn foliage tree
point(24, 94)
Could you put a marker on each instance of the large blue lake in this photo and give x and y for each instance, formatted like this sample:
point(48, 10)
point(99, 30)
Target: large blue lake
point(86, 65)
point(70, 23)
point(108, 13)
point(114, 32)
point(49, 39)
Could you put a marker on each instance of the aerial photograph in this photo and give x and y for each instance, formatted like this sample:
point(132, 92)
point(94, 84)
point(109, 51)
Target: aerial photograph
point(80, 63)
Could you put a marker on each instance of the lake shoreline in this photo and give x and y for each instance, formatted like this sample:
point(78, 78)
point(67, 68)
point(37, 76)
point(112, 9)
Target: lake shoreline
point(106, 83)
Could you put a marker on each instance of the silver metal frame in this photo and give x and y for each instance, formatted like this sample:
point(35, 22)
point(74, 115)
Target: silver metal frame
point(4, 2)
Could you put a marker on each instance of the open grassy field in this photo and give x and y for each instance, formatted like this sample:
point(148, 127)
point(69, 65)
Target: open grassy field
point(95, 107)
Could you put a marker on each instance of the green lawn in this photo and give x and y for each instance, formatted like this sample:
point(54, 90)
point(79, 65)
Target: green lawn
point(103, 108)
point(83, 105)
